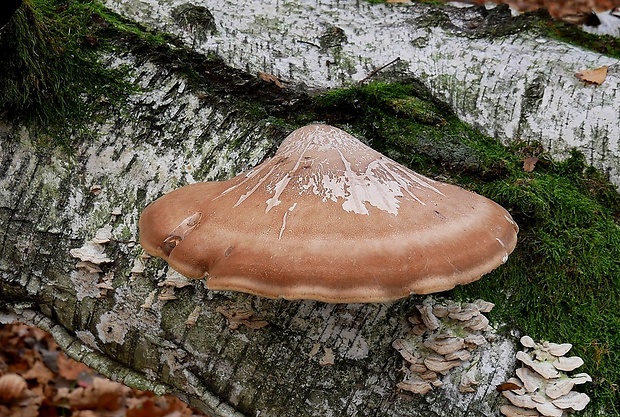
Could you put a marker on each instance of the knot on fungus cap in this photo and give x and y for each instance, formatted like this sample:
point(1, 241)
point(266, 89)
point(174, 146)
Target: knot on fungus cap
point(328, 218)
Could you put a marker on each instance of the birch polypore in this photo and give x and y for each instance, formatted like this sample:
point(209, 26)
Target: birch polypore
point(328, 218)
point(547, 388)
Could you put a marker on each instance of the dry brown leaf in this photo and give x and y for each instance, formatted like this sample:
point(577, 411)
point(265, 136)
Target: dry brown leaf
point(12, 387)
point(328, 357)
point(238, 316)
point(70, 369)
point(85, 413)
point(61, 396)
point(270, 79)
point(596, 76)
point(40, 372)
point(529, 164)
point(28, 408)
point(102, 394)
point(37, 333)
point(23, 352)
point(255, 323)
point(507, 386)
point(564, 10)
point(157, 407)
point(144, 408)
point(314, 350)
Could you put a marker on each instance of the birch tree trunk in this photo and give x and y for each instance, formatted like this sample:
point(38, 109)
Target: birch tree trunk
point(498, 72)
point(134, 327)
point(130, 327)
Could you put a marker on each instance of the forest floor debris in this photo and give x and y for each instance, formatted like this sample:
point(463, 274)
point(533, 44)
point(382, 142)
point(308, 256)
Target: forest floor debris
point(37, 379)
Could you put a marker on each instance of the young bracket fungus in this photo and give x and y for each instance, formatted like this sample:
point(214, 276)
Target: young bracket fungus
point(445, 335)
point(541, 387)
point(88, 279)
point(328, 218)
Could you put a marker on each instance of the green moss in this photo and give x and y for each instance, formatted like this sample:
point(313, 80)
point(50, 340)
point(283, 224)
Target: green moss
point(406, 123)
point(565, 32)
point(112, 25)
point(562, 283)
point(417, 109)
point(52, 78)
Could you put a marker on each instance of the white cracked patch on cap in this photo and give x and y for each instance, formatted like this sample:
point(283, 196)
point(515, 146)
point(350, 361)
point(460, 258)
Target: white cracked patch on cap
point(366, 180)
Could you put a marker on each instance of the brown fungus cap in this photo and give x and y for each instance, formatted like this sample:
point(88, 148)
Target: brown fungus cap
point(328, 218)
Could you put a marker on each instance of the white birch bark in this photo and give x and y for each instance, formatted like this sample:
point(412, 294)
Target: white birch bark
point(514, 86)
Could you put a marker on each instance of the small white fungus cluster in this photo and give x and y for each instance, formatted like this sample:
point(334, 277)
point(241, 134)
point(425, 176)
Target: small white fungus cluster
point(443, 337)
point(91, 256)
point(544, 389)
point(90, 279)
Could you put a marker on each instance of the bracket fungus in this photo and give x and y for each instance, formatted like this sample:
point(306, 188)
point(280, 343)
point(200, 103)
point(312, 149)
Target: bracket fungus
point(449, 342)
point(327, 218)
point(542, 386)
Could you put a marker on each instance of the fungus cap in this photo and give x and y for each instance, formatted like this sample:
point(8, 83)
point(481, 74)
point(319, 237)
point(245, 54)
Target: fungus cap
point(328, 218)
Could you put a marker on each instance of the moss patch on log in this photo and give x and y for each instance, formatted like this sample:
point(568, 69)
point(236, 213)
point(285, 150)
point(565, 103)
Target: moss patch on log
point(52, 79)
point(562, 283)
point(565, 32)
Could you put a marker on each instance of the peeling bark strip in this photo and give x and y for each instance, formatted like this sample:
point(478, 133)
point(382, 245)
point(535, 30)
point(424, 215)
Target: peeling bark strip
point(514, 85)
point(150, 337)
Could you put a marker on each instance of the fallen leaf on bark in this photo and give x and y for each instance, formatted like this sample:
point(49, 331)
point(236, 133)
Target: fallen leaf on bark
point(507, 386)
point(328, 357)
point(238, 316)
point(596, 76)
point(270, 79)
point(529, 164)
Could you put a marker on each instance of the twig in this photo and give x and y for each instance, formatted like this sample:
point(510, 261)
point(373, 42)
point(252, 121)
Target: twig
point(308, 43)
point(372, 74)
